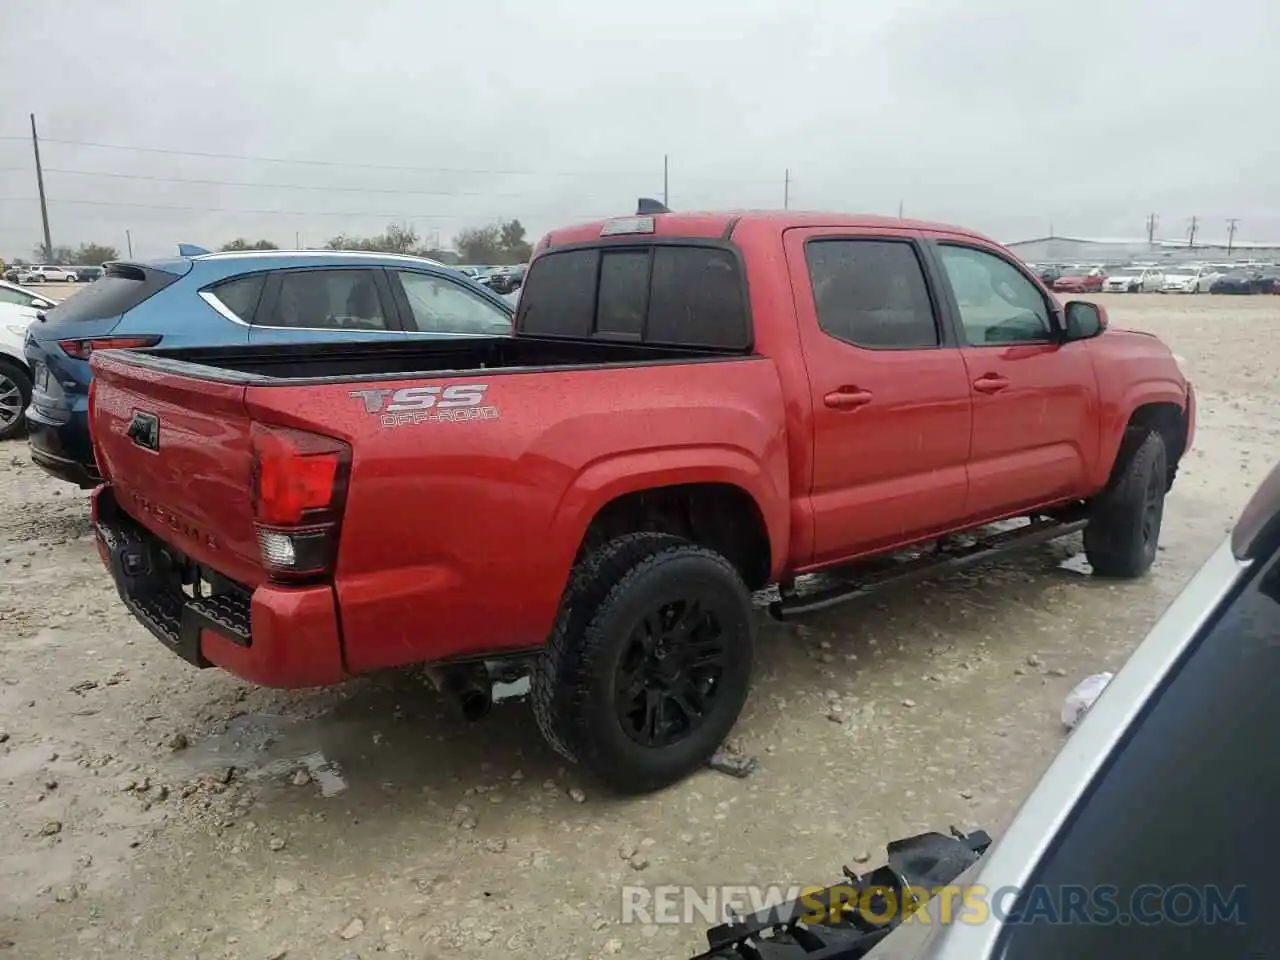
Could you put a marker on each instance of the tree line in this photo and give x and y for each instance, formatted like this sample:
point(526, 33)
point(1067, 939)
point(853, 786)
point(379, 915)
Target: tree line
point(496, 244)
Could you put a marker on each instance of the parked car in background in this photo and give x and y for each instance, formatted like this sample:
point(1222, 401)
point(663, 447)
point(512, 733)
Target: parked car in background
point(45, 274)
point(1242, 281)
point(508, 279)
point(15, 374)
point(87, 274)
point(1048, 274)
point(1135, 279)
point(1079, 280)
point(18, 296)
point(1189, 278)
point(11, 275)
point(216, 299)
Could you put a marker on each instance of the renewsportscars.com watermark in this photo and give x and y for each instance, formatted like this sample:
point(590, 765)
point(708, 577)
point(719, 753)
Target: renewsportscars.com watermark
point(973, 904)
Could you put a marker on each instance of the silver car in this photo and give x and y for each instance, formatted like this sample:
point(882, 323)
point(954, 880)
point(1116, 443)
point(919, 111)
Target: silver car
point(1151, 835)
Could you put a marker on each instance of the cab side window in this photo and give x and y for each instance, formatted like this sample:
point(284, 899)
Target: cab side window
point(997, 304)
point(872, 293)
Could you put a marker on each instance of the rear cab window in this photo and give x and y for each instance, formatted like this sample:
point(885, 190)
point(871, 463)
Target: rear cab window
point(119, 290)
point(667, 294)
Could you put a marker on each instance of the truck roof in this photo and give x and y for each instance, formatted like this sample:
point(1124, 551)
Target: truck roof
point(723, 224)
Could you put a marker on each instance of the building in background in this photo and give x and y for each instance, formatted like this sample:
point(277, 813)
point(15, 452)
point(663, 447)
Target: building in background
point(1092, 250)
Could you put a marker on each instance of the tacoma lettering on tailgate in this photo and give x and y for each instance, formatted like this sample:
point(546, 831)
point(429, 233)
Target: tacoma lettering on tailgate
point(428, 404)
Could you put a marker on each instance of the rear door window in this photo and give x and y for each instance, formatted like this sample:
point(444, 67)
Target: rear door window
point(438, 305)
point(122, 288)
point(664, 294)
point(327, 300)
point(871, 293)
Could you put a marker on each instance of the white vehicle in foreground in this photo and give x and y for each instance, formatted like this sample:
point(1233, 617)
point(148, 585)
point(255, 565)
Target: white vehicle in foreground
point(1191, 278)
point(15, 295)
point(47, 275)
point(15, 375)
point(1134, 279)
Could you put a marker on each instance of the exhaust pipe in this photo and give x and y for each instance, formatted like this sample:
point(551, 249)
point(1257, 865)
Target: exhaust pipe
point(468, 688)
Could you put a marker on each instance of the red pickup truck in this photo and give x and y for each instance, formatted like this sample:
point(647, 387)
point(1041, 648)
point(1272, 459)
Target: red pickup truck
point(692, 407)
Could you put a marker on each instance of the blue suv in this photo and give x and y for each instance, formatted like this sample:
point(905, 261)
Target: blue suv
point(217, 299)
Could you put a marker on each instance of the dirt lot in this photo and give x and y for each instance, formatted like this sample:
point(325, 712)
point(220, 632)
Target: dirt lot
point(157, 811)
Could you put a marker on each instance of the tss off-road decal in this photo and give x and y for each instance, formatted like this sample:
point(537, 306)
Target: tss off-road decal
point(434, 404)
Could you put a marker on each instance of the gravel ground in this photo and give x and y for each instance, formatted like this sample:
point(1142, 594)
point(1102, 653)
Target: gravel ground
point(159, 811)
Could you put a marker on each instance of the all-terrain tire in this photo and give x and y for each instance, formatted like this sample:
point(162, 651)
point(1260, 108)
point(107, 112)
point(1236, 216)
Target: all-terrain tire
point(1124, 523)
point(575, 680)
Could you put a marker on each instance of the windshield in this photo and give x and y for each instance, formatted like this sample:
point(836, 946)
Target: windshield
point(1077, 271)
point(1128, 272)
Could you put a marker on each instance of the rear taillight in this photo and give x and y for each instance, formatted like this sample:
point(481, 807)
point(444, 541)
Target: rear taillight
point(83, 349)
point(299, 486)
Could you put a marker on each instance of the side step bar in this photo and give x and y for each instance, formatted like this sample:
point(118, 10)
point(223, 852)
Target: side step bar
point(793, 605)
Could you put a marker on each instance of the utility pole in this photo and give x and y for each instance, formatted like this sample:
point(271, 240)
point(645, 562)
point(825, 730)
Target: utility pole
point(786, 189)
point(128, 242)
point(1231, 232)
point(297, 240)
point(899, 209)
point(665, 201)
point(1153, 219)
point(44, 207)
point(1191, 234)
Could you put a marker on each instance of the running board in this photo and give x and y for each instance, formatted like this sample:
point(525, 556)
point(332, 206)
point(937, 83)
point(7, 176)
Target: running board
point(910, 571)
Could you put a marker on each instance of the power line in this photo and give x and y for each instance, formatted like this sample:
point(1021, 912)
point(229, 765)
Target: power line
point(292, 213)
point(376, 166)
point(282, 186)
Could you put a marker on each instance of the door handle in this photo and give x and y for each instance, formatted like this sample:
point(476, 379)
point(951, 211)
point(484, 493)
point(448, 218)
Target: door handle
point(847, 398)
point(990, 383)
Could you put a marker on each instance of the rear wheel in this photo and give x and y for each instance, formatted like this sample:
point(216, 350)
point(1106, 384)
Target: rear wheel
point(649, 662)
point(1124, 526)
point(15, 395)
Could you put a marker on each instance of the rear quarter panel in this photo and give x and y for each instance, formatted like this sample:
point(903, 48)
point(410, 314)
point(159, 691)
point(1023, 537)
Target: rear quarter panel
point(1133, 369)
point(458, 536)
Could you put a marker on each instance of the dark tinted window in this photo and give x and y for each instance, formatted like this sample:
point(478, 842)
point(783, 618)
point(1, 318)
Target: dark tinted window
point(1189, 799)
point(240, 295)
point(624, 285)
point(123, 288)
point(871, 293)
point(559, 297)
point(687, 296)
point(338, 299)
point(698, 299)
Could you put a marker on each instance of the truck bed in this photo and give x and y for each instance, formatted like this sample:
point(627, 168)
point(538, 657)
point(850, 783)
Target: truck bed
point(295, 364)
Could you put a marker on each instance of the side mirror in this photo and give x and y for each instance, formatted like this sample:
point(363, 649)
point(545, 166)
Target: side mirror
point(1085, 320)
point(42, 304)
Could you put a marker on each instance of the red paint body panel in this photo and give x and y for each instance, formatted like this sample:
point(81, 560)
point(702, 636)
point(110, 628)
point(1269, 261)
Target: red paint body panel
point(457, 537)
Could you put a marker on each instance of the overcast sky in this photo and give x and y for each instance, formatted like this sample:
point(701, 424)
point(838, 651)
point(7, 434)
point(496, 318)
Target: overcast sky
point(1004, 115)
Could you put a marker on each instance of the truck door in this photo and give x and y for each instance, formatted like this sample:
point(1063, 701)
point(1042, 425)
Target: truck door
point(1036, 421)
point(326, 304)
point(891, 402)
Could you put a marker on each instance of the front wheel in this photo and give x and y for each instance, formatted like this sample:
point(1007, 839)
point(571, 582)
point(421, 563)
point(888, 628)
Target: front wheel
point(1124, 523)
point(649, 662)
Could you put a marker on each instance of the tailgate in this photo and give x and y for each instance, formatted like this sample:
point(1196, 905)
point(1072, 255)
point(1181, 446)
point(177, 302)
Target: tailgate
point(175, 448)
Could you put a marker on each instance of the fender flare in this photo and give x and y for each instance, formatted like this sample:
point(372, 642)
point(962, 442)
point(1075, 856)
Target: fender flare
point(604, 480)
point(1116, 421)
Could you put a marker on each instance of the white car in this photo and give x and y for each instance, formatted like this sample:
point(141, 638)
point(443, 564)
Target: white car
point(15, 375)
point(1192, 278)
point(15, 295)
point(46, 275)
point(1134, 280)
